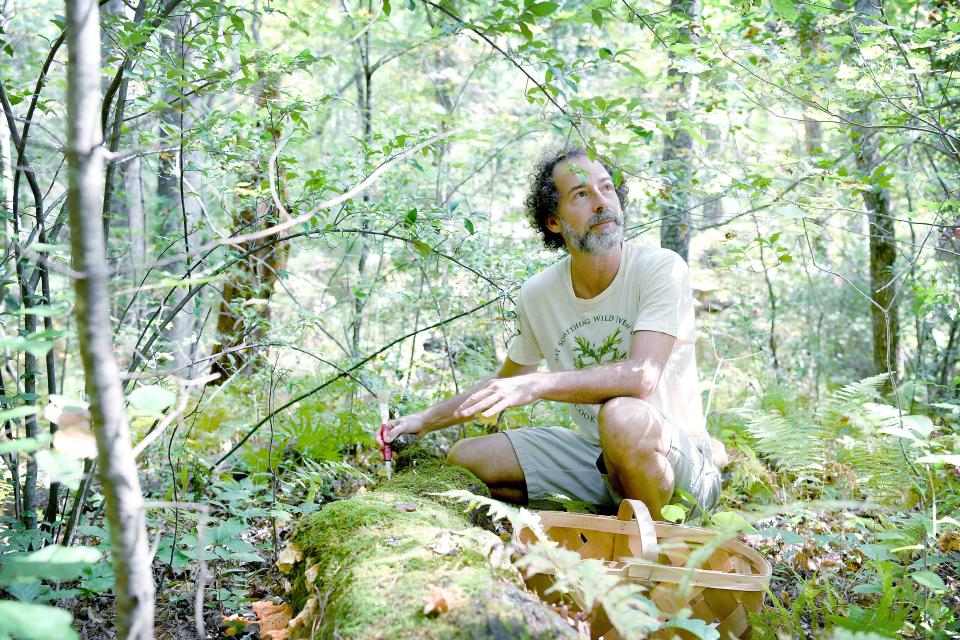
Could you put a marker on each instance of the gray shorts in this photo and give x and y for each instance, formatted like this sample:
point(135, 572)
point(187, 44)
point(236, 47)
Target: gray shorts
point(557, 461)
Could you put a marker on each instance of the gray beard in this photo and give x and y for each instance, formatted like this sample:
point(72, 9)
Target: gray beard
point(595, 243)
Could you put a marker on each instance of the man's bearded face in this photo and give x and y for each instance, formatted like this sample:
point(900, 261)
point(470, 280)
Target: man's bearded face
point(604, 231)
point(589, 216)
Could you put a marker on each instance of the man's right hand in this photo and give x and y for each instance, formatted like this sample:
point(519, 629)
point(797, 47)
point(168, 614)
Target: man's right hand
point(413, 423)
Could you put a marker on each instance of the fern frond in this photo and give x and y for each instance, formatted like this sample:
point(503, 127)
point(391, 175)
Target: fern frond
point(792, 443)
point(851, 396)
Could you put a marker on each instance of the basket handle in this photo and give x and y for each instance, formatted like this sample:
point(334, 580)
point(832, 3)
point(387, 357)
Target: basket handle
point(645, 544)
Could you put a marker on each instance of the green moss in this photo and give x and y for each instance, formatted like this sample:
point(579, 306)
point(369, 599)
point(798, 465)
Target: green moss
point(375, 563)
point(433, 476)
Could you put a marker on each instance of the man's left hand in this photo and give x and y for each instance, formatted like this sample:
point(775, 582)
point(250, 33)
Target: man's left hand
point(500, 394)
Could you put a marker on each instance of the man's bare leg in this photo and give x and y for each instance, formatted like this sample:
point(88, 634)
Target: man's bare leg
point(493, 460)
point(635, 442)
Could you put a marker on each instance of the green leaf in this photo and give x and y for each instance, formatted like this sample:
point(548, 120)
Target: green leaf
point(38, 348)
point(53, 562)
point(151, 399)
point(35, 622)
point(673, 513)
point(543, 9)
point(27, 445)
point(698, 628)
point(929, 579)
point(19, 412)
point(953, 459)
point(61, 467)
point(44, 310)
point(727, 519)
point(237, 22)
point(468, 224)
point(786, 8)
point(597, 17)
point(525, 30)
point(605, 53)
point(386, 7)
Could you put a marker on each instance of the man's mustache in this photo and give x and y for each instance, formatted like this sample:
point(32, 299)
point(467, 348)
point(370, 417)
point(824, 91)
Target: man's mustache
point(605, 216)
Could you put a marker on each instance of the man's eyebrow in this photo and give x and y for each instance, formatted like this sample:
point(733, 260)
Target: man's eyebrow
point(584, 183)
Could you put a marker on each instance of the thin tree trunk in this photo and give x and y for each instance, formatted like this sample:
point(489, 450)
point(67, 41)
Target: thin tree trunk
point(884, 314)
point(808, 37)
point(675, 226)
point(136, 219)
point(179, 186)
point(244, 311)
point(118, 471)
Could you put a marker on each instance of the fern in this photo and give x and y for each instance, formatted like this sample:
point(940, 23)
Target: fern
point(850, 397)
point(793, 443)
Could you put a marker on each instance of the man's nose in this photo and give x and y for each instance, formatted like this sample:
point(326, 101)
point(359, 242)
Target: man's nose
point(599, 204)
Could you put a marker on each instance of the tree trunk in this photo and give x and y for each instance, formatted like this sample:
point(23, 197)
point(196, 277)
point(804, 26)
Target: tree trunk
point(118, 471)
point(371, 562)
point(178, 188)
point(244, 314)
point(136, 218)
point(677, 156)
point(884, 314)
point(808, 37)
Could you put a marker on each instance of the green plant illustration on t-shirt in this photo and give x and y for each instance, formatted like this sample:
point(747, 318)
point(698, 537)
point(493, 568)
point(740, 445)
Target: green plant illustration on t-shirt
point(607, 351)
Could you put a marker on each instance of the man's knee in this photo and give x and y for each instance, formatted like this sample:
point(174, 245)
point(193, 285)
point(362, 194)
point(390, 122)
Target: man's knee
point(632, 426)
point(490, 458)
point(460, 453)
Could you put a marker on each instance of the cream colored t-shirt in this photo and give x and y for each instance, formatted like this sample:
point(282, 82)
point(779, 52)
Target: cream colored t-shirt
point(651, 292)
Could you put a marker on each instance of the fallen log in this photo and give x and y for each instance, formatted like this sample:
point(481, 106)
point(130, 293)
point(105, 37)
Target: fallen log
point(399, 562)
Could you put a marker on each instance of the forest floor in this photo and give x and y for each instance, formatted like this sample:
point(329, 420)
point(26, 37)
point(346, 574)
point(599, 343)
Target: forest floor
point(836, 565)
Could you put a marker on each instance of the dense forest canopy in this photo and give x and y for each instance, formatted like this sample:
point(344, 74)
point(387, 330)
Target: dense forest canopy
point(297, 205)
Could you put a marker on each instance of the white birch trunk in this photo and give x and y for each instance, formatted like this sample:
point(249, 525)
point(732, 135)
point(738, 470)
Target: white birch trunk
point(118, 471)
point(136, 219)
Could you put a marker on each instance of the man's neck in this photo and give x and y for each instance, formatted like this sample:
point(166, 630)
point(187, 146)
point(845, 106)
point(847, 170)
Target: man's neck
point(591, 274)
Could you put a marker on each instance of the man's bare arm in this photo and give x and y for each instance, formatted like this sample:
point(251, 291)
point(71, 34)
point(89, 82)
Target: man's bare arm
point(636, 377)
point(443, 415)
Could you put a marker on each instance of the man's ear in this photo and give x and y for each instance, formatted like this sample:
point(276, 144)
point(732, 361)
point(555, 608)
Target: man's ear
point(553, 224)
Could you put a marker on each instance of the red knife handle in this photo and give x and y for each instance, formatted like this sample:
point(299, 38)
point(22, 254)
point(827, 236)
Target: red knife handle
point(387, 453)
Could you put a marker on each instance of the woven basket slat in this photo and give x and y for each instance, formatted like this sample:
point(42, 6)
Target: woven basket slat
point(677, 555)
point(730, 584)
point(666, 599)
point(735, 624)
point(701, 609)
point(720, 561)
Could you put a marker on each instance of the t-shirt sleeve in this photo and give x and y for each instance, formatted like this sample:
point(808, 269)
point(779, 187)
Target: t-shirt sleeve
point(666, 302)
point(524, 349)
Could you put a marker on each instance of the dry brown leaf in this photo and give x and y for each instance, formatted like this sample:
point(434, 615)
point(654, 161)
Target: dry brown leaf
point(76, 442)
point(236, 624)
point(290, 556)
point(949, 541)
point(361, 491)
point(444, 544)
point(442, 599)
point(309, 607)
point(406, 506)
point(273, 619)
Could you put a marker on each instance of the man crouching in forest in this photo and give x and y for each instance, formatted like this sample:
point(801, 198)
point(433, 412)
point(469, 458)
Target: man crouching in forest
point(614, 321)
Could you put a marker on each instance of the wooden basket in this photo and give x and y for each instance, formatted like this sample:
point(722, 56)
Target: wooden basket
point(730, 584)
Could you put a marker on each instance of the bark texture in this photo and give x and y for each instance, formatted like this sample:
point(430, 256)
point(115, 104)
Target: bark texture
point(244, 314)
point(118, 471)
point(884, 313)
point(675, 226)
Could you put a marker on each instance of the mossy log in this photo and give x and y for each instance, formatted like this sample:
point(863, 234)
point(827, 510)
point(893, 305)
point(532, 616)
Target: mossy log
point(370, 566)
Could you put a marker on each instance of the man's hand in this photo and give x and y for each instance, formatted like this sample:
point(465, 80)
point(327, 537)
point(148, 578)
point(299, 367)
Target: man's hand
point(413, 423)
point(499, 394)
